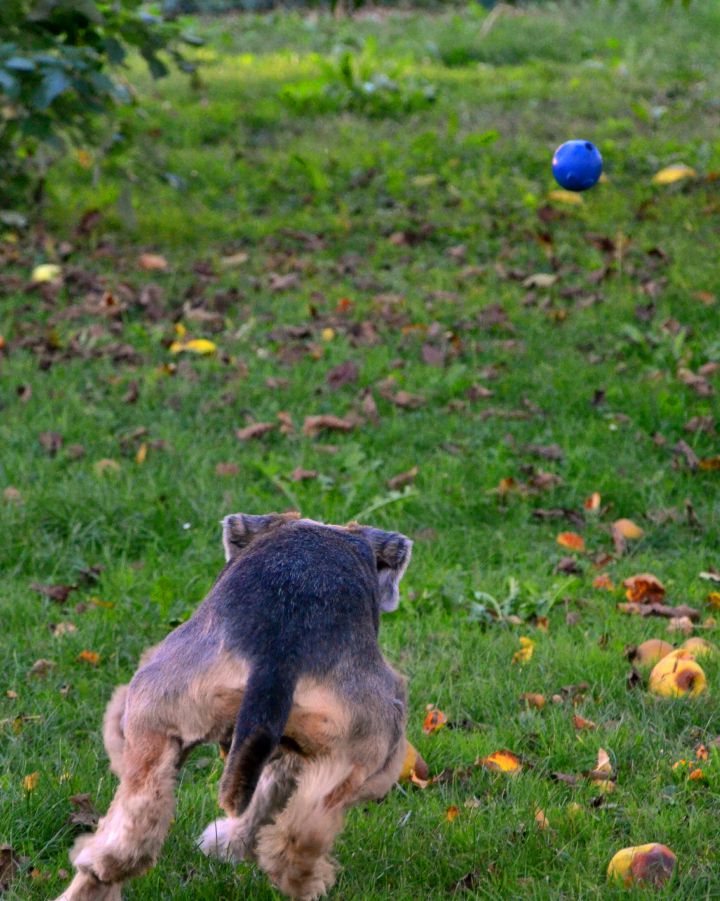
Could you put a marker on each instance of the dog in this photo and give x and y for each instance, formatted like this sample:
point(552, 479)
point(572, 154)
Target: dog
point(280, 664)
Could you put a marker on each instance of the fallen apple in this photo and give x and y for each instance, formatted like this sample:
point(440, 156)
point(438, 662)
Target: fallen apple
point(650, 651)
point(676, 675)
point(700, 647)
point(413, 763)
point(651, 864)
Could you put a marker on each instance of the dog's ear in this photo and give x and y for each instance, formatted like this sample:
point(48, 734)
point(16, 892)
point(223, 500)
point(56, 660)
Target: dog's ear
point(240, 529)
point(392, 555)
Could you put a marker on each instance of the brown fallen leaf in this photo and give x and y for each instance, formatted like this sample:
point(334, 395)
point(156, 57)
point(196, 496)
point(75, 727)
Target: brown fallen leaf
point(152, 262)
point(313, 425)
point(452, 813)
point(60, 629)
point(12, 495)
point(342, 374)
point(644, 587)
point(691, 458)
point(91, 657)
point(57, 593)
point(700, 424)
point(546, 451)
point(569, 566)
point(402, 479)
point(84, 813)
point(566, 778)
point(227, 469)
point(593, 502)
point(254, 430)
point(582, 724)
point(303, 475)
point(654, 609)
point(681, 624)
point(41, 668)
point(10, 863)
point(51, 442)
point(530, 699)
point(541, 820)
point(407, 401)
point(709, 463)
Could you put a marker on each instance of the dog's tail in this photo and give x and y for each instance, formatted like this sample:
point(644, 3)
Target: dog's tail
point(259, 727)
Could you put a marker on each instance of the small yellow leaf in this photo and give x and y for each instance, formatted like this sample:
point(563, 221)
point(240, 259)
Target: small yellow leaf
point(603, 581)
point(141, 453)
point(451, 813)
point(91, 657)
point(327, 334)
point(501, 762)
point(195, 346)
point(714, 600)
point(670, 174)
point(628, 529)
point(97, 602)
point(527, 646)
point(46, 272)
point(180, 330)
point(561, 196)
point(30, 782)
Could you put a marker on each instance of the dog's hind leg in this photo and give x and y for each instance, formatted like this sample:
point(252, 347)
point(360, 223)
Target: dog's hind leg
point(129, 837)
point(234, 838)
point(294, 850)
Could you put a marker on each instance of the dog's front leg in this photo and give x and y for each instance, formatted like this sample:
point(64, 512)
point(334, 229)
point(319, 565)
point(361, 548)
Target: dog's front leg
point(129, 837)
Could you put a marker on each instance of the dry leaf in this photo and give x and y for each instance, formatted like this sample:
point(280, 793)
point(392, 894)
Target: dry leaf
point(682, 624)
point(106, 466)
point(501, 762)
point(12, 495)
point(582, 724)
point(541, 820)
point(91, 657)
point(713, 600)
point(51, 442)
point(559, 195)
point(451, 813)
point(227, 469)
point(30, 782)
point(41, 668)
point(152, 262)
point(592, 503)
point(255, 430)
point(530, 699)
point(434, 720)
point(60, 629)
point(527, 646)
point(670, 174)
point(571, 540)
point(45, 272)
point(402, 479)
point(10, 863)
point(628, 529)
point(57, 593)
point(644, 587)
point(141, 454)
point(407, 401)
point(709, 463)
point(201, 346)
point(313, 425)
point(303, 475)
point(603, 581)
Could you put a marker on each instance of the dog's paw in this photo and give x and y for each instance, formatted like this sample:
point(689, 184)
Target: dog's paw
point(224, 839)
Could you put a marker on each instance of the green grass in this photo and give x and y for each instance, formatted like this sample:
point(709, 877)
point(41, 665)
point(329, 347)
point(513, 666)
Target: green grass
point(638, 79)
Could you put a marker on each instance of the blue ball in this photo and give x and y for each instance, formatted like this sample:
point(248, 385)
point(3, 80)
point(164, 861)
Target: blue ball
point(577, 165)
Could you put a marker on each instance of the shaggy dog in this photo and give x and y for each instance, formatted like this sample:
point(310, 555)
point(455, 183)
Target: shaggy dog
point(280, 664)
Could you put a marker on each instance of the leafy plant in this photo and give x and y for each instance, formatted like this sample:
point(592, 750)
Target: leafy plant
point(58, 60)
point(355, 82)
point(522, 602)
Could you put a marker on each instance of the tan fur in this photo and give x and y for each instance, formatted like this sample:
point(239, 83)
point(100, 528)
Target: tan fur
point(113, 735)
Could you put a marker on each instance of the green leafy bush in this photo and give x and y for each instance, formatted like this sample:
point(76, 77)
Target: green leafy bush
point(355, 82)
point(57, 62)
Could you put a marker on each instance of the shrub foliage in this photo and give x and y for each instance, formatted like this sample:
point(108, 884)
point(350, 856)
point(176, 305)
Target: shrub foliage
point(59, 72)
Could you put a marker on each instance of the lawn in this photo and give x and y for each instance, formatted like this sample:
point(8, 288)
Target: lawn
point(395, 259)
